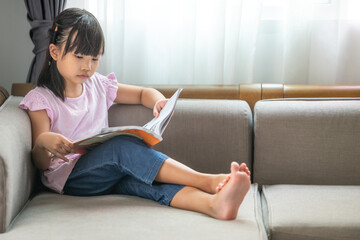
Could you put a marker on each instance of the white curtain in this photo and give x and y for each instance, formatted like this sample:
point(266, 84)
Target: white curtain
point(229, 41)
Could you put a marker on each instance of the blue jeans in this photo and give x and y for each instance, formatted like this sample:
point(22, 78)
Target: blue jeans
point(122, 165)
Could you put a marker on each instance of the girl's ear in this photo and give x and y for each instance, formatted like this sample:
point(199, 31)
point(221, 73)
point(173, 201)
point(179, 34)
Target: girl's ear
point(54, 51)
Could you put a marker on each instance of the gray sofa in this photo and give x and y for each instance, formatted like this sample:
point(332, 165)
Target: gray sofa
point(307, 160)
point(304, 156)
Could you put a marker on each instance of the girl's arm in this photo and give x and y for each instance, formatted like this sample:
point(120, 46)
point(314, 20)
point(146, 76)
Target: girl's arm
point(46, 143)
point(149, 97)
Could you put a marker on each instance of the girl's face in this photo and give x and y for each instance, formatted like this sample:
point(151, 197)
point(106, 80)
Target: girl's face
point(74, 68)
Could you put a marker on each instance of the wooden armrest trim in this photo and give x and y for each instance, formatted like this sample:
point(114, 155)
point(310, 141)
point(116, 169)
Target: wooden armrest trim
point(251, 93)
point(21, 89)
point(3, 95)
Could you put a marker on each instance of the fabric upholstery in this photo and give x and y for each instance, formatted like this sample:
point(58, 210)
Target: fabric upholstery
point(16, 169)
point(312, 212)
point(307, 142)
point(50, 216)
point(307, 156)
point(206, 135)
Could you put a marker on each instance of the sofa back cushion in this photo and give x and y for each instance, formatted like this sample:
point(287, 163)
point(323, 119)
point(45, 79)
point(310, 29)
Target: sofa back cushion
point(307, 141)
point(206, 135)
point(17, 173)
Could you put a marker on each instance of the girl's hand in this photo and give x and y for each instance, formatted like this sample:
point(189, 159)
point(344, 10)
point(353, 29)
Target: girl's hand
point(56, 144)
point(158, 106)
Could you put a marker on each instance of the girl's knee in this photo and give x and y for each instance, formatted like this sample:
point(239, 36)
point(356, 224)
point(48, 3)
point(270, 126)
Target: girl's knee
point(125, 141)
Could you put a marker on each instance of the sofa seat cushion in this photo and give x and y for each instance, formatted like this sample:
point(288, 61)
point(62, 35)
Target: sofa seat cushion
point(312, 212)
point(52, 216)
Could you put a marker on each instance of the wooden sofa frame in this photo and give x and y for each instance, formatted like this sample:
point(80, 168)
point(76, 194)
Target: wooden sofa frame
point(251, 93)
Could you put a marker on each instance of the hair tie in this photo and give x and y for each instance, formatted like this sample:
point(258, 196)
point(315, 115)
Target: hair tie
point(53, 40)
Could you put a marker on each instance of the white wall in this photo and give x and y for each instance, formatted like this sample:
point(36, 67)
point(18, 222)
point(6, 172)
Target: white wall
point(15, 43)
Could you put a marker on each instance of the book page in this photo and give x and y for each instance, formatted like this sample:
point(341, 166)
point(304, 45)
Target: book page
point(159, 124)
point(149, 137)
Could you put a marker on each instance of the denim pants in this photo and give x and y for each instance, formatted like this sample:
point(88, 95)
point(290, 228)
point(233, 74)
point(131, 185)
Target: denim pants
point(122, 165)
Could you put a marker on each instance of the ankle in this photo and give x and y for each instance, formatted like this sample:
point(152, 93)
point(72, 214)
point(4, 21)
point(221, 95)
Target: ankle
point(207, 183)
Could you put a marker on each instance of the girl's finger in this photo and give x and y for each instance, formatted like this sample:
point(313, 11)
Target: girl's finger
point(62, 152)
point(59, 155)
point(64, 149)
point(67, 148)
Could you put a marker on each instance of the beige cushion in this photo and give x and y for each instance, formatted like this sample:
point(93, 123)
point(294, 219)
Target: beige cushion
point(206, 135)
point(52, 216)
point(307, 142)
point(16, 170)
point(300, 212)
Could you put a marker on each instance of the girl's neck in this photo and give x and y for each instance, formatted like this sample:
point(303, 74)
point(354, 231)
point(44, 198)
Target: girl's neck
point(73, 91)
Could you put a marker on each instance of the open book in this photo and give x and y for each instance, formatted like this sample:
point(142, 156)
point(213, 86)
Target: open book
point(150, 133)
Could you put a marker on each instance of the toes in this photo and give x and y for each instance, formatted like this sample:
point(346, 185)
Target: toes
point(227, 179)
point(244, 168)
point(219, 187)
point(234, 167)
point(222, 184)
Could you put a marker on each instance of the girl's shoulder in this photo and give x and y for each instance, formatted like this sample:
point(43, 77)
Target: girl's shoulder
point(97, 77)
point(102, 81)
point(38, 93)
point(37, 98)
point(104, 86)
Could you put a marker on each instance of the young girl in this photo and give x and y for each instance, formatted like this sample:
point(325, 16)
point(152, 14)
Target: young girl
point(71, 101)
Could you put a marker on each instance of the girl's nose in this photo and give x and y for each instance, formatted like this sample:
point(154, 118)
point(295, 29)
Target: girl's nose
point(86, 66)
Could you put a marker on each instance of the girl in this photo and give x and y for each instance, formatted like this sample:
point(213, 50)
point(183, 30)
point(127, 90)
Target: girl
point(71, 101)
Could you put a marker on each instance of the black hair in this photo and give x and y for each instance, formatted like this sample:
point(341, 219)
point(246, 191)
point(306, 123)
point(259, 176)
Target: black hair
point(80, 31)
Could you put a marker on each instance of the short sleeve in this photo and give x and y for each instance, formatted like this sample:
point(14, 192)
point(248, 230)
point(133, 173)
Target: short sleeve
point(110, 84)
point(35, 101)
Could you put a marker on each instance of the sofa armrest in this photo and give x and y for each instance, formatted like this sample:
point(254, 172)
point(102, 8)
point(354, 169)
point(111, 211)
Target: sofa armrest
point(3, 95)
point(16, 169)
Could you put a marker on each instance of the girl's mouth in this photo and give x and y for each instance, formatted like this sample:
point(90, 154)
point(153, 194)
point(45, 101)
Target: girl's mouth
point(83, 76)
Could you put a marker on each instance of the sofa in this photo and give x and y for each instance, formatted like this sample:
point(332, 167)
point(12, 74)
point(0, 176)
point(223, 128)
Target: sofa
point(304, 155)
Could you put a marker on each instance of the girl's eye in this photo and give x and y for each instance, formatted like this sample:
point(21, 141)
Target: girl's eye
point(78, 56)
point(95, 59)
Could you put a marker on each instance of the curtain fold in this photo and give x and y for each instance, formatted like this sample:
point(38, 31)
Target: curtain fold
point(41, 14)
point(229, 42)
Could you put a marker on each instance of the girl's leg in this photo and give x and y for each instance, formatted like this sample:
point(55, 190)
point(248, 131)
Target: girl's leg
point(172, 171)
point(98, 171)
point(222, 205)
point(162, 193)
point(175, 172)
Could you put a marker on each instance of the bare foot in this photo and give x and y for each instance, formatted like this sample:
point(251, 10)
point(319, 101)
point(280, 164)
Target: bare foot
point(226, 203)
point(222, 184)
point(242, 168)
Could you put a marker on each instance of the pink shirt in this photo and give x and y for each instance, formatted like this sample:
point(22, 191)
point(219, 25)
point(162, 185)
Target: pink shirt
point(74, 118)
